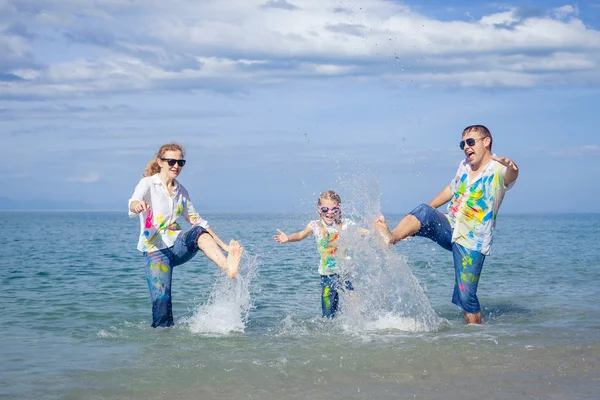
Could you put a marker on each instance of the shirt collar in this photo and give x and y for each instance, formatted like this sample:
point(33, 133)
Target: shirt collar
point(156, 180)
point(487, 166)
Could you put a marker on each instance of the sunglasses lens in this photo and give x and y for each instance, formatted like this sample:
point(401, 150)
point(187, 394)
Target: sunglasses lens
point(172, 162)
point(470, 141)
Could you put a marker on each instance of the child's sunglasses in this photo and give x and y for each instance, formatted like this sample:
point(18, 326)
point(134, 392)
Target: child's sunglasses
point(470, 141)
point(334, 210)
point(172, 161)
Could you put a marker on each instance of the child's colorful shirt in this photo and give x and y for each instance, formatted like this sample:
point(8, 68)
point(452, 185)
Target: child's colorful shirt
point(158, 226)
point(475, 204)
point(327, 244)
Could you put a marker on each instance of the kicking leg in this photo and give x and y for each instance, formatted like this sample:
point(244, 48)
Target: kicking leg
point(424, 221)
point(211, 249)
point(408, 226)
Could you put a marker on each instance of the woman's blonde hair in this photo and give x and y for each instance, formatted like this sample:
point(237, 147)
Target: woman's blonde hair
point(331, 195)
point(153, 167)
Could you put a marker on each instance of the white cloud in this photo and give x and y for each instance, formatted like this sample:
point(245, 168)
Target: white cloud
point(565, 11)
point(230, 45)
point(586, 150)
point(92, 177)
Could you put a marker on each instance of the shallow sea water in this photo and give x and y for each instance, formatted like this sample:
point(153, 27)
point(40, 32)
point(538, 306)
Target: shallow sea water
point(76, 315)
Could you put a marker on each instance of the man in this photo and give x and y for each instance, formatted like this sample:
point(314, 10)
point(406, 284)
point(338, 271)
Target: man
point(475, 195)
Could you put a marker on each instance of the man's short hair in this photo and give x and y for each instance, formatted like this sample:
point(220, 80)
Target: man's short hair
point(485, 132)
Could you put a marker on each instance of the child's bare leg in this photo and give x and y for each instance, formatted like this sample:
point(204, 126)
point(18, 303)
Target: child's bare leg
point(211, 249)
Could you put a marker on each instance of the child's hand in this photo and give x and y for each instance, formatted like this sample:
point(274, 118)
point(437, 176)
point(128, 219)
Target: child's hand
point(281, 238)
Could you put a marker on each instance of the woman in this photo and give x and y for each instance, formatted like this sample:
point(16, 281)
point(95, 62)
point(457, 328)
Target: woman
point(160, 200)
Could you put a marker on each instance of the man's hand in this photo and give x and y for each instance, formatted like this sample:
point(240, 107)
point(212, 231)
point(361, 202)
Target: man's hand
point(512, 171)
point(507, 162)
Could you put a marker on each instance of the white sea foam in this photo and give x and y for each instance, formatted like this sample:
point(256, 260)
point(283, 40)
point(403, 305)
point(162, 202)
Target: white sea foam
point(104, 334)
point(387, 295)
point(228, 306)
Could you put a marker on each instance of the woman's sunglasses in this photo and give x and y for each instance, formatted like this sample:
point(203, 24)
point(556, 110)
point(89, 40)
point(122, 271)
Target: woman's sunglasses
point(334, 210)
point(172, 161)
point(470, 141)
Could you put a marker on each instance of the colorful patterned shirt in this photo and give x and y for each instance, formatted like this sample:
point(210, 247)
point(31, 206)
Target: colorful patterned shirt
point(158, 226)
point(474, 206)
point(327, 244)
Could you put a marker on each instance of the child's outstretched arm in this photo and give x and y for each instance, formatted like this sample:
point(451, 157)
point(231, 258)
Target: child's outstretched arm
point(294, 237)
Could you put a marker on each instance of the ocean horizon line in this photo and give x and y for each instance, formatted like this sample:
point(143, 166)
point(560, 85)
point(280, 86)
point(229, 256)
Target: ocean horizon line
point(212, 212)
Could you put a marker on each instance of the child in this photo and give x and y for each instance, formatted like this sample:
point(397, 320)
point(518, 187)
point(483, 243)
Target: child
point(327, 231)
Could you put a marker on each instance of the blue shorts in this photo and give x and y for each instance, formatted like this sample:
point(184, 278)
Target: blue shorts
point(467, 263)
point(330, 284)
point(159, 271)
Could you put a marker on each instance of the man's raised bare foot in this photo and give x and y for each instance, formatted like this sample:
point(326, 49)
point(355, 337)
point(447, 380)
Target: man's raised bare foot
point(234, 256)
point(382, 228)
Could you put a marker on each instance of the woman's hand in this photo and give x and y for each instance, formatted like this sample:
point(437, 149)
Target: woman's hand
point(137, 206)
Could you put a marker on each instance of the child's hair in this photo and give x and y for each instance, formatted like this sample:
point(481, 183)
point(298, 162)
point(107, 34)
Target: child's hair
point(331, 195)
point(153, 167)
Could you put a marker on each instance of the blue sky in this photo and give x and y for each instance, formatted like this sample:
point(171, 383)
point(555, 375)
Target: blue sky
point(277, 100)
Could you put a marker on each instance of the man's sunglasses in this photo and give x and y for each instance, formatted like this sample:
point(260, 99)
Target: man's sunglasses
point(172, 161)
point(470, 141)
point(334, 210)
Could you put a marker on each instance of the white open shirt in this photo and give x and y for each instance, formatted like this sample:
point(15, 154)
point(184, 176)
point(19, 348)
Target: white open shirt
point(158, 226)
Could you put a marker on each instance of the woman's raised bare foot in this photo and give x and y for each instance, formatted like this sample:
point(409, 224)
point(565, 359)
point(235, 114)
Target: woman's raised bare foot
point(234, 257)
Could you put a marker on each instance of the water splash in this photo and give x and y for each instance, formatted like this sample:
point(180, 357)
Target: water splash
point(387, 295)
point(229, 304)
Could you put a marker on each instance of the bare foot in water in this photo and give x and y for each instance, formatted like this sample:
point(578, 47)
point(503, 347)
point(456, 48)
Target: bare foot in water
point(234, 256)
point(382, 228)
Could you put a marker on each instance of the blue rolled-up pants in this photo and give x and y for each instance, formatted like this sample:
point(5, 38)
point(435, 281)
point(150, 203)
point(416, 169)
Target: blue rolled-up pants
point(159, 271)
point(467, 263)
